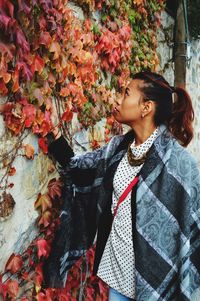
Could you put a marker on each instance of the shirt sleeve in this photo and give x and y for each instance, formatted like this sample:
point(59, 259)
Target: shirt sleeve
point(60, 150)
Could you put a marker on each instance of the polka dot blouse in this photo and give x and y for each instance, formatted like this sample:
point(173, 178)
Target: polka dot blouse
point(117, 263)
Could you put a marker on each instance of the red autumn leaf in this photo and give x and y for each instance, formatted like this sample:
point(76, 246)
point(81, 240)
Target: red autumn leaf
point(55, 188)
point(43, 201)
point(25, 71)
point(45, 219)
point(10, 185)
point(6, 107)
point(38, 278)
point(7, 50)
point(12, 171)
point(47, 296)
point(64, 296)
point(29, 151)
point(3, 88)
point(13, 289)
point(14, 263)
point(3, 288)
point(29, 113)
point(95, 144)
point(45, 38)
point(67, 115)
point(43, 144)
point(90, 293)
point(37, 65)
point(43, 297)
point(21, 42)
point(43, 248)
point(24, 299)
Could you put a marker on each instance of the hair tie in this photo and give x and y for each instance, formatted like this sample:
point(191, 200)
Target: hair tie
point(172, 89)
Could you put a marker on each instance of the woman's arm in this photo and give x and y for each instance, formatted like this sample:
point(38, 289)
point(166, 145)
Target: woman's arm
point(60, 150)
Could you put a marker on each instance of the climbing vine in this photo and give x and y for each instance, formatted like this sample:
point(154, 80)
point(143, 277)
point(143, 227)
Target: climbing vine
point(51, 60)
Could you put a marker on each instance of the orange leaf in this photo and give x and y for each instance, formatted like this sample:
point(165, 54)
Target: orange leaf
point(37, 65)
point(15, 78)
point(54, 187)
point(3, 88)
point(14, 263)
point(45, 219)
point(55, 48)
point(12, 171)
point(43, 201)
point(29, 151)
point(6, 77)
point(13, 289)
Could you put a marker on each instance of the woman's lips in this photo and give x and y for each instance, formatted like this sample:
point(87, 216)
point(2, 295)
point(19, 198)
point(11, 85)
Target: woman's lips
point(115, 110)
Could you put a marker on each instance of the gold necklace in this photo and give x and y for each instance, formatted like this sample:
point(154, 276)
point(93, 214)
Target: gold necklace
point(133, 160)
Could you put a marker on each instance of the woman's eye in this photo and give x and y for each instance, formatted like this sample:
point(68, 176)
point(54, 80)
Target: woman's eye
point(127, 92)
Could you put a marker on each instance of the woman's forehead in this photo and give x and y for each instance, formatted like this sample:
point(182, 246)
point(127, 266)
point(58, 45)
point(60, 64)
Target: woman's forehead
point(136, 84)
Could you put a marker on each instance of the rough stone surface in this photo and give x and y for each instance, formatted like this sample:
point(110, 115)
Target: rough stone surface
point(18, 230)
point(165, 50)
point(32, 176)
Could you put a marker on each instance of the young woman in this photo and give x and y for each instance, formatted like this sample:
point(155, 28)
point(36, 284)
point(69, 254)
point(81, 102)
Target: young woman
point(141, 194)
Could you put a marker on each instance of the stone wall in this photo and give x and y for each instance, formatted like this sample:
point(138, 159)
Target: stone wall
point(18, 229)
point(193, 86)
point(32, 177)
point(165, 50)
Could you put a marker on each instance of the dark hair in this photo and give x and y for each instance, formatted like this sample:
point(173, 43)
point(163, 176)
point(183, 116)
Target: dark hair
point(178, 115)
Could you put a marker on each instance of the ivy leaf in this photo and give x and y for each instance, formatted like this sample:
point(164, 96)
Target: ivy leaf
point(45, 219)
point(43, 145)
point(55, 48)
point(15, 78)
point(37, 93)
point(12, 171)
point(45, 38)
point(54, 187)
point(7, 204)
point(14, 264)
point(67, 115)
point(3, 88)
point(13, 289)
point(43, 248)
point(3, 288)
point(37, 65)
point(38, 279)
point(43, 201)
point(6, 107)
point(21, 42)
point(29, 112)
point(43, 297)
point(29, 151)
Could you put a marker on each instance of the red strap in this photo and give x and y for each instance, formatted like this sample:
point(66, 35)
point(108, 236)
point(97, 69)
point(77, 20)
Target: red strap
point(125, 193)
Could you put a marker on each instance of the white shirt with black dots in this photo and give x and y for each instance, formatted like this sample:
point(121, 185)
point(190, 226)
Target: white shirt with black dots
point(117, 264)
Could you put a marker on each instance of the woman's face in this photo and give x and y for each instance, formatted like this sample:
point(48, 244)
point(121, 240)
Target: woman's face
point(128, 108)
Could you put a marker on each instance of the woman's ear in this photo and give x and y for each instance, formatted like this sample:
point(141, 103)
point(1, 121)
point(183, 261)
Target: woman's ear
point(148, 107)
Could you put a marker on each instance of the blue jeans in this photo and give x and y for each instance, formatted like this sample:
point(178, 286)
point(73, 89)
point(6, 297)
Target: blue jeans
point(116, 296)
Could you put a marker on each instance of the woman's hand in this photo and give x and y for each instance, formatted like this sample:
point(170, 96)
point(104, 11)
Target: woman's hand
point(56, 124)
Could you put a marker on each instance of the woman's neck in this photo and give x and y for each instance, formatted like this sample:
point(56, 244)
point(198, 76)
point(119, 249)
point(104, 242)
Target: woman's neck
point(142, 133)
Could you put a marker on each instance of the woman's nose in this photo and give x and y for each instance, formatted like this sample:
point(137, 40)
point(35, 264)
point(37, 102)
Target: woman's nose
point(119, 99)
